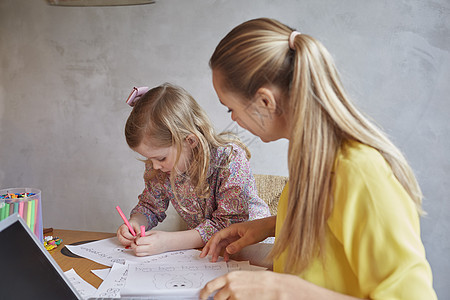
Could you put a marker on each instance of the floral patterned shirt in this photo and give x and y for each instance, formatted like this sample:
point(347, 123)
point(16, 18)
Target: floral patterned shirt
point(233, 196)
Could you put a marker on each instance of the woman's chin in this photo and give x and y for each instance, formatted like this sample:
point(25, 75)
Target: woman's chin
point(265, 140)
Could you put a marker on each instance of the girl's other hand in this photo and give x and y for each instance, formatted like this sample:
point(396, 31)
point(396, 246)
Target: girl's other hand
point(154, 242)
point(237, 236)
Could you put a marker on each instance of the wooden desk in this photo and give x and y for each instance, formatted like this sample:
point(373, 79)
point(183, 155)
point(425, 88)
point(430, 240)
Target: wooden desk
point(83, 266)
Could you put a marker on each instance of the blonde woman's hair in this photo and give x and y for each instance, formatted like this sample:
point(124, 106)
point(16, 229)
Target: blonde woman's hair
point(257, 54)
point(165, 116)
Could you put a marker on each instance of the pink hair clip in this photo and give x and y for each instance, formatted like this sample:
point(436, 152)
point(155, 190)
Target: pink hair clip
point(135, 94)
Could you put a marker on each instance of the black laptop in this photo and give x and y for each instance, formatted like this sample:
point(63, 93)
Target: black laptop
point(27, 270)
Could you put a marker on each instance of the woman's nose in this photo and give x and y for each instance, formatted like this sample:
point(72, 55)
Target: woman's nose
point(156, 165)
point(233, 116)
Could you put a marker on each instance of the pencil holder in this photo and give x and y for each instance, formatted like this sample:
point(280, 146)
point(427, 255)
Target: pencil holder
point(27, 203)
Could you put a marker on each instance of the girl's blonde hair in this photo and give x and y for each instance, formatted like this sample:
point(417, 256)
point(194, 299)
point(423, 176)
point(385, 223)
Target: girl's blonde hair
point(257, 54)
point(165, 116)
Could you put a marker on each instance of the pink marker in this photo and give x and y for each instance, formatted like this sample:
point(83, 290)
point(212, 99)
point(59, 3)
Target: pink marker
point(21, 209)
point(125, 220)
point(142, 230)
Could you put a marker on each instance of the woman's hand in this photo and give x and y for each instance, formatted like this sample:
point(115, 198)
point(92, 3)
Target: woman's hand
point(237, 236)
point(248, 285)
point(266, 285)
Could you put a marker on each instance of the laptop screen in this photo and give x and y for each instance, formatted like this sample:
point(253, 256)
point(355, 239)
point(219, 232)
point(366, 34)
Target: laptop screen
point(27, 271)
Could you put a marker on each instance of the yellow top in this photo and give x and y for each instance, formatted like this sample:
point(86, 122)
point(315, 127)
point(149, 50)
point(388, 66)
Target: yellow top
point(373, 247)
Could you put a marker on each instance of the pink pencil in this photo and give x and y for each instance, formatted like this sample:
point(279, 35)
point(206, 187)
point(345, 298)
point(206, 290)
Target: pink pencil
point(142, 230)
point(125, 220)
point(21, 209)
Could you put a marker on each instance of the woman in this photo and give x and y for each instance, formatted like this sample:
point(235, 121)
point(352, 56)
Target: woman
point(348, 223)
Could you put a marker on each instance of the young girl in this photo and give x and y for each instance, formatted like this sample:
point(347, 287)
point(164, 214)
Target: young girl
point(348, 223)
point(206, 176)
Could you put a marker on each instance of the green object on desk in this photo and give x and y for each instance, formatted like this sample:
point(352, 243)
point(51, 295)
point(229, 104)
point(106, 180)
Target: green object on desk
point(2, 210)
point(5, 211)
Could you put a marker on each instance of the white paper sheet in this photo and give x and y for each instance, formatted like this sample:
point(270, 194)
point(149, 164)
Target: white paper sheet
point(238, 265)
point(110, 251)
point(105, 252)
point(84, 289)
point(113, 283)
point(171, 275)
point(101, 273)
point(257, 268)
point(170, 279)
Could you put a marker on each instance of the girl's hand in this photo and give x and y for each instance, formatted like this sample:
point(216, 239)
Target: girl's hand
point(154, 242)
point(237, 236)
point(124, 235)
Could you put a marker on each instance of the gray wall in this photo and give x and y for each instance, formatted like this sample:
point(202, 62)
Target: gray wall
point(65, 74)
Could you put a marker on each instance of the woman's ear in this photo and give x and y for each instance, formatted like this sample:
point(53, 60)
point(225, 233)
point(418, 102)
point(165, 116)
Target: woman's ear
point(266, 99)
point(192, 140)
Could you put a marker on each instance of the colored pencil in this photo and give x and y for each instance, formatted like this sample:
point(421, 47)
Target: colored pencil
point(32, 219)
point(21, 209)
point(125, 220)
point(6, 213)
point(36, 216)
point(29, 210)
point(2, 210)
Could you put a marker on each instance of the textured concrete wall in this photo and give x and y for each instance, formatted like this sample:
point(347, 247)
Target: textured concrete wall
point(65, 73)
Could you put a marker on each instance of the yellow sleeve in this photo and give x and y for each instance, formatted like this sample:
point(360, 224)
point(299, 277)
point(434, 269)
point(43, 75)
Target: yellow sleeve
point(378, 226)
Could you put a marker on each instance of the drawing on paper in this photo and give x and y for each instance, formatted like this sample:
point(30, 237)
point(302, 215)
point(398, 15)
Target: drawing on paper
point(185, 281)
